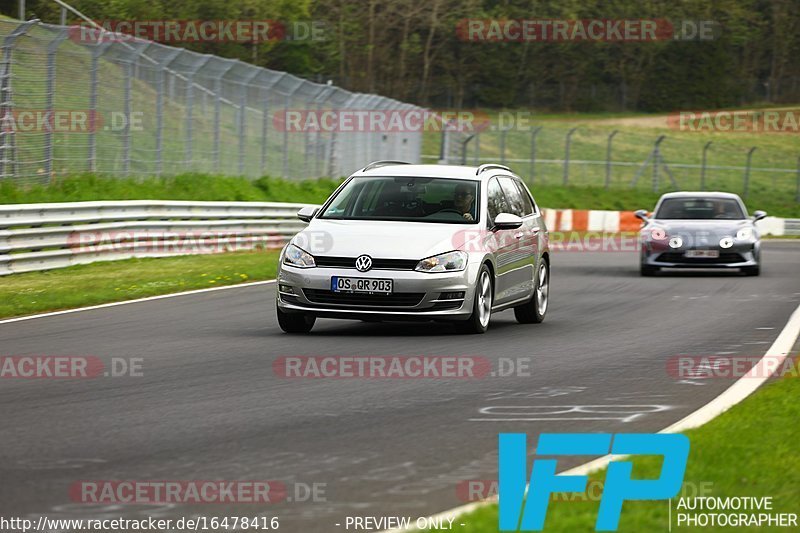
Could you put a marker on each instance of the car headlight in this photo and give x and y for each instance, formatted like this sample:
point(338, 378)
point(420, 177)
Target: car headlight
point(657, 234)
point(726, 242)
point(446, 262)
point(744, 234)
point(675, 242)
point(298, 257)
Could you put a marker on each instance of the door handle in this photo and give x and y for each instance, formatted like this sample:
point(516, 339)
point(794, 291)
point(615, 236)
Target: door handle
point(535, 231)
point(519, 235)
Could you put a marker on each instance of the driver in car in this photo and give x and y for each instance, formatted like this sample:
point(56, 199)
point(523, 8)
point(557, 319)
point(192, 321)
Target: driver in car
point(462, 201)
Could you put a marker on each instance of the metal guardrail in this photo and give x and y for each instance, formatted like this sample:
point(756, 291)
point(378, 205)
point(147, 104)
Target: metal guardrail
point(46, 236)
point(57, 235)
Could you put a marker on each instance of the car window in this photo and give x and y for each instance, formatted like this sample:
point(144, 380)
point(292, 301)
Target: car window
point(527, 203)
point(699, 209)
point(496, 200)
point(412, 199)
point(515, 204)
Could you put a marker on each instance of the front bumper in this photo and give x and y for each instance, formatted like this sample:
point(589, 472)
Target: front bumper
point(416, 295)
point(740, 255)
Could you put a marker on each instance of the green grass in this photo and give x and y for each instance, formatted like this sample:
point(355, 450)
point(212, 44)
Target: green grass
point(87, 187)
point(748, 451)
point(588, 197)
point(113, 281)
point(205, 187)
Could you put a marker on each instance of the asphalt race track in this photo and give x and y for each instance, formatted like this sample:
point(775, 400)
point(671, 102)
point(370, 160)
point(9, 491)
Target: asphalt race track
point(209, 405)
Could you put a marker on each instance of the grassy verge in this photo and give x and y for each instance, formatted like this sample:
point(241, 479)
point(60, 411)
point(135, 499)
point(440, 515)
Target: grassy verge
point(205, 187)
point(748, 451)
point(113, 281)
point(87, 187)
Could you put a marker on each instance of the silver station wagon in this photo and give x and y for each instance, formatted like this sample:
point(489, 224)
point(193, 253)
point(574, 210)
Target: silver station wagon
point(398, 241)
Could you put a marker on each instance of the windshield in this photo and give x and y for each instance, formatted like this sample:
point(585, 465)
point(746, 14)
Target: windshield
point(700, 209)
point(412, 199)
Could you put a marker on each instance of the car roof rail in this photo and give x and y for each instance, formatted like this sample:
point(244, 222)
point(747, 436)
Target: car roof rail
point(376, 164)
point(489, 166)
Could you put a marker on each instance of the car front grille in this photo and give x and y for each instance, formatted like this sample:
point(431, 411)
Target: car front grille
point(356, 299)
point(377, 264)
point(678, 257)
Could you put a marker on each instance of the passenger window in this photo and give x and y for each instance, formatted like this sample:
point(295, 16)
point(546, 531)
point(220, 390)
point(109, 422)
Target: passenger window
point(512, 194)
point(496, 200)
point(527, 203)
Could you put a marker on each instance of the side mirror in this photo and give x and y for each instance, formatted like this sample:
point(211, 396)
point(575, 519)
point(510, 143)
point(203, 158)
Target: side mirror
point(507, 221)
point(642, 214)
point(758, 215)
point(307, 213)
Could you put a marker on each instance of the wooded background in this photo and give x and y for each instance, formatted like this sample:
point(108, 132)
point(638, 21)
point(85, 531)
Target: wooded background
point(409, 50)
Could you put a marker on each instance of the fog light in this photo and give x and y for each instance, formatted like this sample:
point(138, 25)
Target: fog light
point(286, 289)
point(726, 242)
point(452, 295)
point(675, 242)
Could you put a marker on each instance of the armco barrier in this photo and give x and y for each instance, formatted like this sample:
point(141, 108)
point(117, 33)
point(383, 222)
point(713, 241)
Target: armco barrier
point(46, 236)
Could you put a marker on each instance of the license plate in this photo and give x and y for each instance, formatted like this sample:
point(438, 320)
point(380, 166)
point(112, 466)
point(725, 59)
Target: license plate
point(702, 253)
point(380, 286)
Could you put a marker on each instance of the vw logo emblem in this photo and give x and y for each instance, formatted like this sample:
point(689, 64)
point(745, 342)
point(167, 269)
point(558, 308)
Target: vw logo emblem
point(363, 263)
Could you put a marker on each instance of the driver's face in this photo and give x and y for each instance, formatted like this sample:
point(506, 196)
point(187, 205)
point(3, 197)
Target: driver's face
point(462, 199)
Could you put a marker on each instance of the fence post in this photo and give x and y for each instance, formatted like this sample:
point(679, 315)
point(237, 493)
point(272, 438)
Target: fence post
point(797, 192)
point(161, 81)
point(444, 144)
point(703, 166)
point(608, 158)
point(503, 133)
point(7, 142)
point(464, 149)
point(286, 103)
point(243, 117)
point(128, 98)
point(747, 171)
point(566, 155)
point(92, 150)
point(218, 113)
point(52, 49)
point(534, 133)
point(264, 129)
point(477, 156)
point(190, 109)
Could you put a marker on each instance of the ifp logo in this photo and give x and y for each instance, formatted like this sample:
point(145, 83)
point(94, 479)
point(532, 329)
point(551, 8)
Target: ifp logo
point(521, 513)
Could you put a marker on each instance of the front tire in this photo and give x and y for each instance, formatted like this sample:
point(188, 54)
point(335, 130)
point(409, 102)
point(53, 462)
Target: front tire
point(295, 322)
point(534, 311)
point(478, 322)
